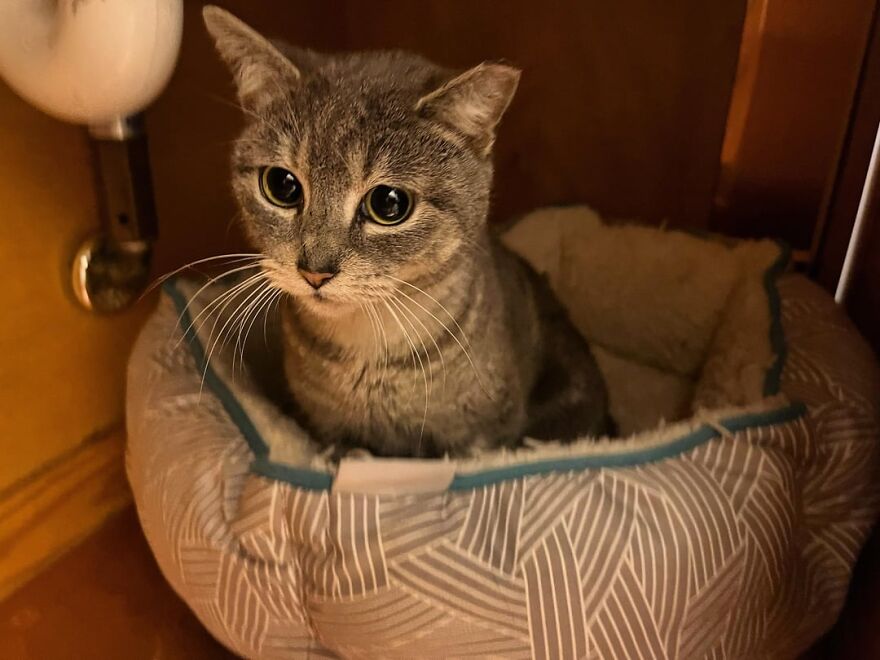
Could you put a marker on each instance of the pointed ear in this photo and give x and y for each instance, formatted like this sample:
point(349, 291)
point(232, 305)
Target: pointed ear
point(472, 103)
point(260, 70)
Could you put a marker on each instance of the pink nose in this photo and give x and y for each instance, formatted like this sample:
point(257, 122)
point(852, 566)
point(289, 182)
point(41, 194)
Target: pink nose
point(317, 280)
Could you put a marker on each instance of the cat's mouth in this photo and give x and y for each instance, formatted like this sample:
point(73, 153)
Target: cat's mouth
point(320, 301)
point(315, 298)
point(323, 301)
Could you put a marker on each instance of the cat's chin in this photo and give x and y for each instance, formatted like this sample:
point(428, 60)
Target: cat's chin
point(323, 304)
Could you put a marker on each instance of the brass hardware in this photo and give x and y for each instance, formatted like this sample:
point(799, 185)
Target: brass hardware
point(111, 270)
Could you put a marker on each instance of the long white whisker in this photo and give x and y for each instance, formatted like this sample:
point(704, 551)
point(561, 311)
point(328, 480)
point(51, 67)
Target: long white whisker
point(210, 308)
point(437, 302)
point(248, 317)
point(428, 332)
point(414, 352)
point(259, 306)
point(272, 301)
point(207, 284)
point(373, 330)
point(249, 310)
point(451, 334)
point(231, 258)
point(381, 324)
point(403, 332)
point(222, 299)
point(215, 342)
point(403, 312)
point(237, 315)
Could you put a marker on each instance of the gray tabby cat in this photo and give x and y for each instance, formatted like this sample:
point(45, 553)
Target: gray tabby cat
point(364, 179)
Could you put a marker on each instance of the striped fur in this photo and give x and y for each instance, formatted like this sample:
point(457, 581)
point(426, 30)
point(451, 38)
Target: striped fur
point(430, 335)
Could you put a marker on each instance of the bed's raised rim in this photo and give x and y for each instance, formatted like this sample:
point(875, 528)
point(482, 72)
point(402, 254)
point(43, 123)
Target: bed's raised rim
point(632, 455)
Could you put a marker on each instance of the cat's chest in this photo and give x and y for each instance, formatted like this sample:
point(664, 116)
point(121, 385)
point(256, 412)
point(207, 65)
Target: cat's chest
point(449, 391)
point(369, 383)
point(356, 369)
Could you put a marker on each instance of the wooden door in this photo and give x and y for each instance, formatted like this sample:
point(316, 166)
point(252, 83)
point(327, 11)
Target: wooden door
point(62, 370)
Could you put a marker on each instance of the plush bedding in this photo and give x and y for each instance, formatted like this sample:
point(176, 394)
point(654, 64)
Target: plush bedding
point(723, 523)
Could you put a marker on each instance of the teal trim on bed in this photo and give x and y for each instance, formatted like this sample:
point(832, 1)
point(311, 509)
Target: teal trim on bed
point(309, 479)
point(301, 477)
point(772, 380)
point(635, 457)
point(212, 380)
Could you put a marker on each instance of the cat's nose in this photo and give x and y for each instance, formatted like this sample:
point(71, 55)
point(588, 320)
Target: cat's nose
point(316, 280)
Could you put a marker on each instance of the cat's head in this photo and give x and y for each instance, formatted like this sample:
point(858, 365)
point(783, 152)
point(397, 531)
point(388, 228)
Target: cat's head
point(367, 167)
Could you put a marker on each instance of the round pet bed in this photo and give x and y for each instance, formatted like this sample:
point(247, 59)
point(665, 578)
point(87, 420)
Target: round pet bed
point(724, 522)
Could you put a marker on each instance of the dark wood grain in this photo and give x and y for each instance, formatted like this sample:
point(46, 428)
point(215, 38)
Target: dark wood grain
point(789, 115)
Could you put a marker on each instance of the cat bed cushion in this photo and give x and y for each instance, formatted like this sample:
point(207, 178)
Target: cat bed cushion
point(724, 524)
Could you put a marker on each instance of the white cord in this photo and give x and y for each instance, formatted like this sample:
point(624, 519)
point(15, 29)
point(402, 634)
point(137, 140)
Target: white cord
point(859, 226)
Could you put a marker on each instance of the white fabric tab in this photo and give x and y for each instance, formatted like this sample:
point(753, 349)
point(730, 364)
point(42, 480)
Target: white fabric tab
point(393, 476)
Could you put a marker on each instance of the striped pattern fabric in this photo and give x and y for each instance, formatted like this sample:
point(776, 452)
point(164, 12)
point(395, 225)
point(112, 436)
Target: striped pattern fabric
point(740, 547)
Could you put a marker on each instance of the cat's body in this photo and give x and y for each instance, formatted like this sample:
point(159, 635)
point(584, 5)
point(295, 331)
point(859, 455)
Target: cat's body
point(409, 330)
point(460, 378)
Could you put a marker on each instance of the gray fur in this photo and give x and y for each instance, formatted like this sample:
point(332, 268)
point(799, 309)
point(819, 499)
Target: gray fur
point(473, 351)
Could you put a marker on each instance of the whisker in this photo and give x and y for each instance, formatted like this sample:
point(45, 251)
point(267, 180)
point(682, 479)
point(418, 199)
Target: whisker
point(403, 332)
point(272, 301)
point(251, 312)
point(216, 302)
point(451, 334)
point(437, 302)
point(397, 304)
point(373, 329)
point(261, 307)
point(218, 306)
point(428, 332)
point(381, 324)
point(232, 258)
point(414, 352)
point(207, 284)
point(232, 316)
point(236, 217)
point(237, 314)
point(384, 330)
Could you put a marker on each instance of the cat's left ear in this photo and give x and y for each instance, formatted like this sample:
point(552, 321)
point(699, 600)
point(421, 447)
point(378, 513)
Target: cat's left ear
point(472, 103)
point(261, 71)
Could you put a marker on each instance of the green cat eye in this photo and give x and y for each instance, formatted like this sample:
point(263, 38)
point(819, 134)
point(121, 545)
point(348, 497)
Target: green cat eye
point(386, 205)
point(280, 187)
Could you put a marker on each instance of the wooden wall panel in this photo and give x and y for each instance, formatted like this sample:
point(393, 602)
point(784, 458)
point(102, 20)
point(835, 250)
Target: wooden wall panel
point(791, 105)
point(62, 370)
point(65, 500)
point(855, 158)
point(622, 104)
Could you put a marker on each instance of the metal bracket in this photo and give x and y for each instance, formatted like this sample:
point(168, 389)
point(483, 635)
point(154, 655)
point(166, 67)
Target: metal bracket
point(111, 270)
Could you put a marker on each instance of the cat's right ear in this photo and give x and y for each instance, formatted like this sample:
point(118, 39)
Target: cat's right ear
point(472, 103)
point(260, 70)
